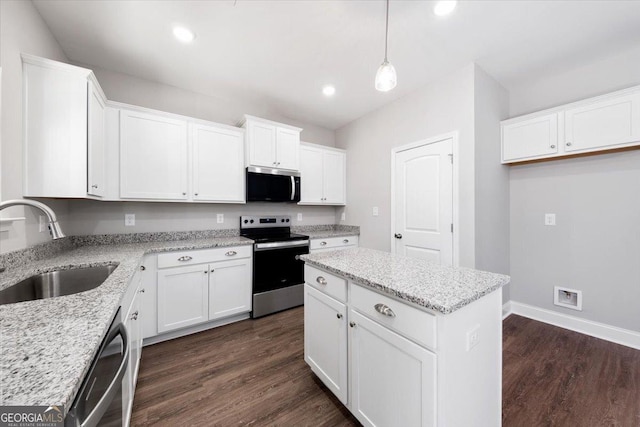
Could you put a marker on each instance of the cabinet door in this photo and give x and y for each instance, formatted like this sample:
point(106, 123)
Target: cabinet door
point(311, 176)
point(96, 182)
point(183, 297)
point(218, 164)
point(153, 157)
point(393, 381)
point(262, 144)
point(287, 149)
point(132, 324)
point(334, 178)
point(325, 340)
point(531, 138)
point(230, 288)
point(604, 124)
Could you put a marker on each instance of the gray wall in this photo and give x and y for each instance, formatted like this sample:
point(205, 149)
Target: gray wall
point(22, 30)
point(441, 107)
point(491, 104)
point(596, 245)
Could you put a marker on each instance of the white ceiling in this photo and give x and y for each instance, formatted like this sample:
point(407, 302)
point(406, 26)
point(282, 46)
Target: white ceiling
point(284, 51)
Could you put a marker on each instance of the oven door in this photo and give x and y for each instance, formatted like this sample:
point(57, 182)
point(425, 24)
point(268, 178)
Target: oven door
point(276, 265)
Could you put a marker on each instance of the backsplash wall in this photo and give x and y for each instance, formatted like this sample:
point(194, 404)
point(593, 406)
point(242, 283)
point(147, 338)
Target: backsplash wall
point(94, 217)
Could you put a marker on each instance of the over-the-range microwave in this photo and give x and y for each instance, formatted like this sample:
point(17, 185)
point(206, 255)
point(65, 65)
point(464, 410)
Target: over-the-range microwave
point(272, 185)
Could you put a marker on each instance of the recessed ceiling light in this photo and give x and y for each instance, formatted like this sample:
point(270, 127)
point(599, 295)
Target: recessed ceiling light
point(444, 7)
point(328, 90)
point(183, 34)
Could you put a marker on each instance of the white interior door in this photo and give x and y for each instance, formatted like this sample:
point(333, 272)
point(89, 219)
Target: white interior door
point(423, 202)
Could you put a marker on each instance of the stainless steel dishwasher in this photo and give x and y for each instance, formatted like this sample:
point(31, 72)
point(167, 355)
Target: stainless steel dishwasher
point(99, 401)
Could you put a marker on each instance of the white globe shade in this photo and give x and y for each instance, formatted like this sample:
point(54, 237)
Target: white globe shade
point(386, 78)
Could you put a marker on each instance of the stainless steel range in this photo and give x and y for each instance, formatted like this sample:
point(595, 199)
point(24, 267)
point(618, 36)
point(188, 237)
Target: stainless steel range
point(278, 275)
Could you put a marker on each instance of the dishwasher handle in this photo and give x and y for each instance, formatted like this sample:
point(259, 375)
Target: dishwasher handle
point(94, 417)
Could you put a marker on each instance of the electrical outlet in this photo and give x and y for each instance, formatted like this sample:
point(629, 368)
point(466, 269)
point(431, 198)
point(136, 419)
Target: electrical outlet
point(129, 220)
point(220, 218)
point(473, 337)
point(375, 211)
point(299, 217)
point(42, 224)
point(343, 217)
point(550, 219)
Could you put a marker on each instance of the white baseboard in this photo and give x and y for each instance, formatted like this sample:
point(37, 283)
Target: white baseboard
point(193, 329)
point(614, 334)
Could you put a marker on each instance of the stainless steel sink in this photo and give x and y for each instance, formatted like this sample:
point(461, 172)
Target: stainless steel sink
point(56, 283)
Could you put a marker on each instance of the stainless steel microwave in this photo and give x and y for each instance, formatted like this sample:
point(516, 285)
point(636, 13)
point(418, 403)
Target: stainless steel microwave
point(272, 185)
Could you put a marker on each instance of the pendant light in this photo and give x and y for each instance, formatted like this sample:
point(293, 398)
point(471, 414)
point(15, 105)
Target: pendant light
point(386, 78)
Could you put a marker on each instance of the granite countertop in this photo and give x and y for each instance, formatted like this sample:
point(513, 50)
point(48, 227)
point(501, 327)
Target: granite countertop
point(427, 284)
point(327, 234)
point(46, 346)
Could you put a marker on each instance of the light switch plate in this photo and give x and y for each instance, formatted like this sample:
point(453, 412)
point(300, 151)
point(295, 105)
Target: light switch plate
point(550, 219)
point(473, 337)
point(129, 220)
point(220, 218)
point(299, 217)
point(343, 217)
point(375, 211)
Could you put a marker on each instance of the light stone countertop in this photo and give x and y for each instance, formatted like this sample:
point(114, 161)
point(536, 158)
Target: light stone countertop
point(46, 346)
point(427, 284)
point(327, 234)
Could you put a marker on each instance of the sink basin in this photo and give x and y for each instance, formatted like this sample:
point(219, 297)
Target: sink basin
point(56, 283)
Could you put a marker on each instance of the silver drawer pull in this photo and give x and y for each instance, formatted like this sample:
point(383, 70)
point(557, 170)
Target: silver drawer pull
point(231, 253)
point(321, 280)
point(323, 243)
point(384, 309)
point(185, 258)
point(345, 241)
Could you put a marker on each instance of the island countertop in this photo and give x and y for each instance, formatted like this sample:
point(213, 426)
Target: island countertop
point(424, 283)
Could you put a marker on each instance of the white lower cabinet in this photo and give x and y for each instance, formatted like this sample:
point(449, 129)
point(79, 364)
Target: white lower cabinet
point(214, 285)
point(332, 244)
point(183, 297)
point(393, 381)
point(229, 288)
point(325, 340)
point(132, 315)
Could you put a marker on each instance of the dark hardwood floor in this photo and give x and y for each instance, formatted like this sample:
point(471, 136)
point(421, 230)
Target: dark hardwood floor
point(252, 373)
point(556, 377)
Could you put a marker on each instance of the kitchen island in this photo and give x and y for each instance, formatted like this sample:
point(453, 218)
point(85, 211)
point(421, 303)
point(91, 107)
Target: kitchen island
point(402, 341)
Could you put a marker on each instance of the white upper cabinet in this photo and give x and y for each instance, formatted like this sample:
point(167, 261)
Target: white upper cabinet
point(217, 164)
point(63, 130)
point(322, 175)
point(530, 138)
point(600, 125)
point(596, 124)
point(153, 157)
point(270, 144)
point(96, 182)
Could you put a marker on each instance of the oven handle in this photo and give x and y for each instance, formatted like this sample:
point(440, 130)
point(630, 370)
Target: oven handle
point(279, 245)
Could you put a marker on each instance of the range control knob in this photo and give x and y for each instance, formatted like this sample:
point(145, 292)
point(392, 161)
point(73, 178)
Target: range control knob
point(251, 221)
point(287, 219)
point(246, 221)
point(282, 220)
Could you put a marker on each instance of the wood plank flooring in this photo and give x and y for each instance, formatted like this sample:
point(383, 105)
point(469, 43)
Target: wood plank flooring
point(252, 373)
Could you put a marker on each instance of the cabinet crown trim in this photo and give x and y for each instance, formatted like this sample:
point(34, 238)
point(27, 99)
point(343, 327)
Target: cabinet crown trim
point(247, 118)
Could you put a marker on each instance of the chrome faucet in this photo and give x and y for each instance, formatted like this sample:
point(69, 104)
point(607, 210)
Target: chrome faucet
point(54, 227)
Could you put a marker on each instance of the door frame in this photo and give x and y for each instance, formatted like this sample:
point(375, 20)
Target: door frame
point(454, 136)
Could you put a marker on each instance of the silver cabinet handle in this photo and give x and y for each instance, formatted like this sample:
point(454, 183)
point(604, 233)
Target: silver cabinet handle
point(323, 243)
point(141, 291)
point(94, 186)
point(398, 236)
point(143, 268)
point(339, 316)
point(352, 324)
point(185, 258)
point(345, 241)
point(553, 146)
point(231, 253)
point(134, 315)
point(568, 144)
point(321, 280)
point(206, 271)
point(195, 194)
point(184, 194)
point(384, 309)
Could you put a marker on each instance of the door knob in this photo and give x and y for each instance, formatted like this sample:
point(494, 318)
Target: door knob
point(398, 236)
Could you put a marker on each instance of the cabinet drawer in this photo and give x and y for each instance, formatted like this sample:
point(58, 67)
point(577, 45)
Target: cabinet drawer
point(333, 242)
point(411, 322)
point(203, 256)
point(326, 282)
